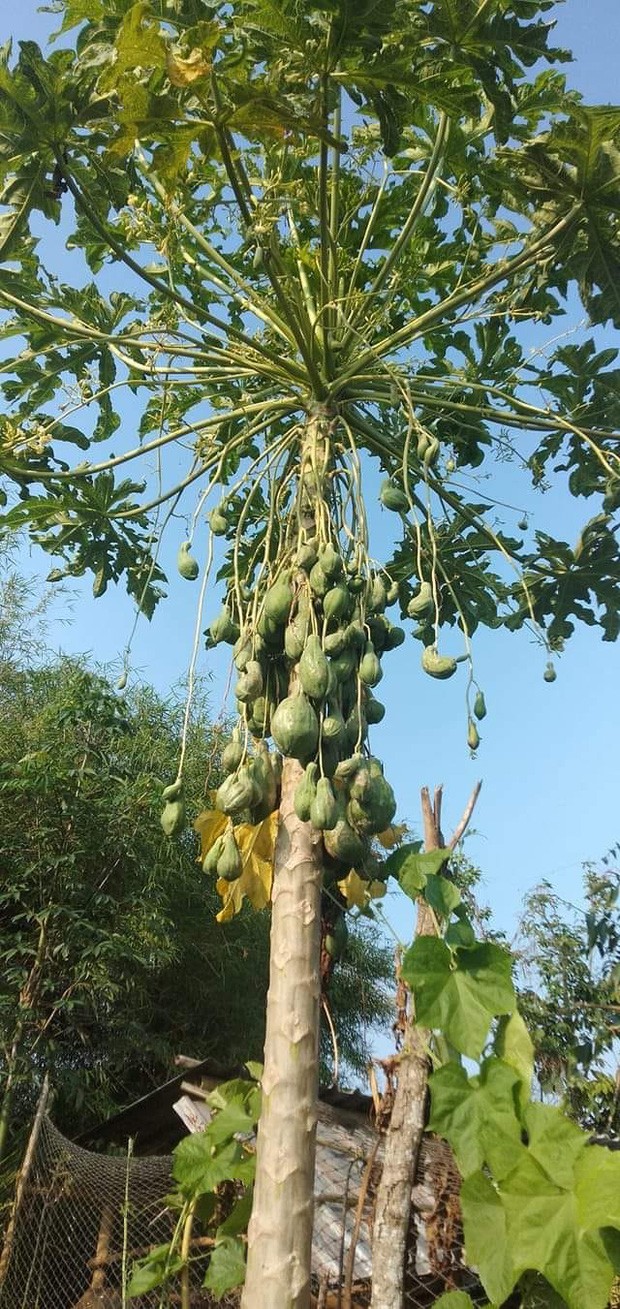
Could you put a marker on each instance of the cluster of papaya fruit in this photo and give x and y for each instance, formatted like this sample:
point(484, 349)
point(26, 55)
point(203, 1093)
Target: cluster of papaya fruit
point(308, 659)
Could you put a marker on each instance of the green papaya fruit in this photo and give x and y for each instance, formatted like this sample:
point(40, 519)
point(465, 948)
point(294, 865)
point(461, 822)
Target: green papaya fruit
point(356, 584)
point(224, 628)
point(370, 671)
point(209, 863)
point(324, 810)
point(347, 768)
point(344, 665)
point(232, 754)
point(237, 792)
point(305, 792)
point(229, 864)
point(173, 817)
point(330, 561)
point(266, 781)
point(377, 595)
point(242, 652)
point(336, 603)
point(356, 728)
point(295, 638)
point(333, 727)
point(394, 637)
point(312, 669)
point(436, 665)
point(295, 727)
point(480, 708)
point(306, 556)
point(278, 601)
point(343, 844)
point(250, 683)
point(259, 718)
point(374, 710)
point(218, 522)
point(473, 735)
point(421, 604)
point(334, 642)
point(319, 581)
point(392, 497)
point(188, 567)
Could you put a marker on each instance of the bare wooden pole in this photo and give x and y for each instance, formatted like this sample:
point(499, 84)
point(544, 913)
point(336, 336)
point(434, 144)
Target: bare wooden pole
point(23, 1175)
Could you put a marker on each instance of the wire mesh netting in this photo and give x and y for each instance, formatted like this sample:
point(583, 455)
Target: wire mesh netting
point(84, 1218)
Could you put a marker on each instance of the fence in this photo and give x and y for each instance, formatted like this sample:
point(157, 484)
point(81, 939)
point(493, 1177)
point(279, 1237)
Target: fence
point(84, 1217)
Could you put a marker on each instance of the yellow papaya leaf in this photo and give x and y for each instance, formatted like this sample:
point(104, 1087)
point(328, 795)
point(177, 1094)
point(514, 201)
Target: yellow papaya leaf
point(256, 846)
point(209, 824)
point(182, 72)
point(359, 893)
point(392, 835)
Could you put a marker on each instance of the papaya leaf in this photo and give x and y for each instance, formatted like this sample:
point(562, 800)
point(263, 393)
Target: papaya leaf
point(256, 846)
point(210, 824)
point(226, 1266)
point(392, 836)
point(477, 1116)
point(460, 990)
point(358, 893)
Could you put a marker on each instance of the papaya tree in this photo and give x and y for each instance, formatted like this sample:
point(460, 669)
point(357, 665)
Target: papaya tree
point(311, 246)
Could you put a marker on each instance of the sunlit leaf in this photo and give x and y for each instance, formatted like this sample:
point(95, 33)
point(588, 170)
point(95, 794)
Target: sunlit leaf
point(256, 847)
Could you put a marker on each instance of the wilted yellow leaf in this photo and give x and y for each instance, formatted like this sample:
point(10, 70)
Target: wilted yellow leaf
point(392, 835)
point(182, 72)
point(209, 824)
point(256, 847)
point(359, 893)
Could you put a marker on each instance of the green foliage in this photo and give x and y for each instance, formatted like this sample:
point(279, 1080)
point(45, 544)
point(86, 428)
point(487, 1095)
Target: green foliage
point(220, 1153)
point(258, 301)
point(107, 929)
point(539, 1201)
point(569, 969)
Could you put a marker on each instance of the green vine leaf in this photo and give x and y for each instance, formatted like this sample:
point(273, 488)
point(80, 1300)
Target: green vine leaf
point(226, 1266)
point(478, 1116)
point(548, 1215)
point(412, 866)
point(513, 1044)
point(455, 1300)
point(441, 894)
point(460, 990)
point(153, 1271)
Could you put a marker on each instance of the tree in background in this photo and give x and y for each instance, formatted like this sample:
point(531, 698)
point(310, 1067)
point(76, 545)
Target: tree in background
point(321, 237)
point(570, 959)
point(111, 958)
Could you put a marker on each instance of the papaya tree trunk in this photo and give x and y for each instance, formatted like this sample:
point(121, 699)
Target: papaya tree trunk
point(403, 1138)
point(280, 1230)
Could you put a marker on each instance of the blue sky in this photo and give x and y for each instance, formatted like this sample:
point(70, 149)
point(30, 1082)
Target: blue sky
point(549, 756)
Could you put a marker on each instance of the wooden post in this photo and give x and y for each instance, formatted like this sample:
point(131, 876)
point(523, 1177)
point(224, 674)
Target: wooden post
point(23, 1177)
